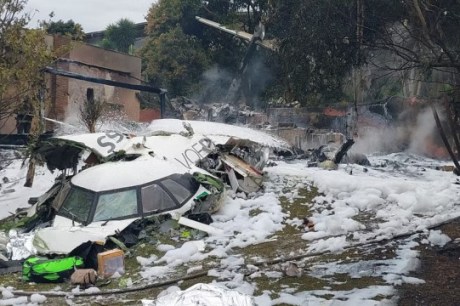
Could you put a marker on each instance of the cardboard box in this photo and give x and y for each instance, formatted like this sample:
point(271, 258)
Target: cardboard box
point(111, 262)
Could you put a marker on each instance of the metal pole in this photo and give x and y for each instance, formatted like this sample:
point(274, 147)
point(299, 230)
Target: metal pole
point(41, 110)
point(162, 104)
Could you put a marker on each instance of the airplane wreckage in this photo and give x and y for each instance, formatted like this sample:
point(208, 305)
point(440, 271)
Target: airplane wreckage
point(114, 185)
point(110, 181)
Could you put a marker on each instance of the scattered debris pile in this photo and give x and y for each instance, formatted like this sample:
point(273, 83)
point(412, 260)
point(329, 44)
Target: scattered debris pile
point(331, 155)
point(188, 109)
point(205, 295)
point(117, 189)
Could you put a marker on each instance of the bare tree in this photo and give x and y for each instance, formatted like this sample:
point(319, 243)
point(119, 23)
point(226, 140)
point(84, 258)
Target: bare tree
point(91, 111)
point(425, 44)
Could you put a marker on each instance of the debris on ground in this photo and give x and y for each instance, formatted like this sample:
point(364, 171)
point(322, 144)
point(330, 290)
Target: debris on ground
point(287, 233)
point(115, 189)
point(204, 294)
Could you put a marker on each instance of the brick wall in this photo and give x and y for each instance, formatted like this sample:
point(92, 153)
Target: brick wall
point(67, 95)
point(149, 114)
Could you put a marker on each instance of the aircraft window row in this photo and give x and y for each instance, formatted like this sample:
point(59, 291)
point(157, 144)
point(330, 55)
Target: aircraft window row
point(171, 193)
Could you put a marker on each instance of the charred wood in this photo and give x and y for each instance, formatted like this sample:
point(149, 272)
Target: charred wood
point(444, 139)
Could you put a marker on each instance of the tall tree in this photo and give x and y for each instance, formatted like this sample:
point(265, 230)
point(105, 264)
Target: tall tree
point(176, 61)
point(173, 55)
point(219, 49)
point(317, 47)
point(165, 15)
point(253, 12)
point(322, 41)
point(68, 28)
point(23, 55)
point(120, 36)
point(426, 46)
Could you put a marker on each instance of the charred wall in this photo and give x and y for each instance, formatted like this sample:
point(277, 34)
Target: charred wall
point(64, 95)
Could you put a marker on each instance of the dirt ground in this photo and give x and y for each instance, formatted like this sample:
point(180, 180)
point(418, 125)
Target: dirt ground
point(440, 268)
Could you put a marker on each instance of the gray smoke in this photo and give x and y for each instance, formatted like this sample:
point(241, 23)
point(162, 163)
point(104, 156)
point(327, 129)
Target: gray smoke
point(221, 86)
point(214, 86)
point(418, 135)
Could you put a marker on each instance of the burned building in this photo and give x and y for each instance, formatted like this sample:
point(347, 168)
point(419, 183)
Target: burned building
point(64, 96)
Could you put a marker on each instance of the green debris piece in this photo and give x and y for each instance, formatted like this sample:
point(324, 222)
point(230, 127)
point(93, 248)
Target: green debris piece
point(202, 195)
point(185, 234)
point(120, 244)
point(125, 282)
point(209, 180)
point(44, 270)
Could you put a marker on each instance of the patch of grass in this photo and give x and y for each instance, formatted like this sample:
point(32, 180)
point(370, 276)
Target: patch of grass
point(276, 285)
point(343, 282)
point(300, 206)
point(289, 238)
point(255, 212)
point(284, 243)
point(15, 280)
point(364, 253)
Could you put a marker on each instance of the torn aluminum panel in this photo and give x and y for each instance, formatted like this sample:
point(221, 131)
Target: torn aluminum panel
point(205, 143)
point(64, 152)
point(187, 142)
point(175, 126)
point(20, 246)
point(63, 237)
point(200, 226)
point(203, 295)
point(242, 176)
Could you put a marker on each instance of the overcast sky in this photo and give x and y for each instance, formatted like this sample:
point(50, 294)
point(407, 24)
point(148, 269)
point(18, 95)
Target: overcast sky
point(93, 15)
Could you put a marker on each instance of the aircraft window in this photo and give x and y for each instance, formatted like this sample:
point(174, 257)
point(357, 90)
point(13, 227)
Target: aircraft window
point(61, 196)
point(186, 180)
point(77, 205)
point(116, 205)
point(180, 192)
point(154, 198)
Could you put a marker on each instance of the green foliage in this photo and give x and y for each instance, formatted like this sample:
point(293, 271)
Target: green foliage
point(68, 28)
point(120, 36)
point(254, 12)
point(176, 61)
point(316, 50)
point(165, 15)
point(173, 55)
point(107, 44)
point(24, 53)
point(320, 43)
point(212, 46)
point(224, 51)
